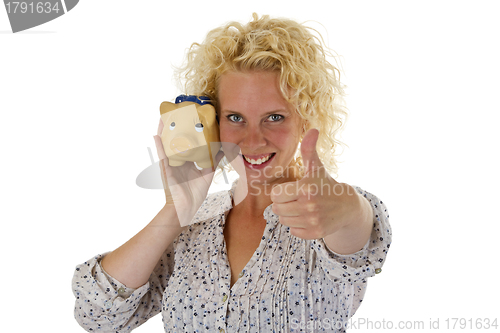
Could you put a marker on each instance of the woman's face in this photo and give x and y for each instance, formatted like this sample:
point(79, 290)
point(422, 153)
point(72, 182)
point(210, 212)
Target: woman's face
point(255, 116)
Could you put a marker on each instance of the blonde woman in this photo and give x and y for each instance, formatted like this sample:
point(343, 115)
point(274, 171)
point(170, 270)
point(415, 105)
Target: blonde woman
point(287, 248)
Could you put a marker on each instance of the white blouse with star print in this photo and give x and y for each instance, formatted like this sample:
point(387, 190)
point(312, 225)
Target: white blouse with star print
point(289, 284)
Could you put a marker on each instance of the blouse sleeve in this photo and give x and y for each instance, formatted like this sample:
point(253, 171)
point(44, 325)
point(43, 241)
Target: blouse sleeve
point(367, 262)
point(107, 305)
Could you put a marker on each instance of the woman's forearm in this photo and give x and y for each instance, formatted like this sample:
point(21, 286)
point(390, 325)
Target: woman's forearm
point(133, 262)
point(352, 237)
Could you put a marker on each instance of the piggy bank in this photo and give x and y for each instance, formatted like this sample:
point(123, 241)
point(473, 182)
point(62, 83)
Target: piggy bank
point(190, 132)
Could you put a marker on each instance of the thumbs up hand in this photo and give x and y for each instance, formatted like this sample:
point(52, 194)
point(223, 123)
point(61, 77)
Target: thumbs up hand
point(317, 206)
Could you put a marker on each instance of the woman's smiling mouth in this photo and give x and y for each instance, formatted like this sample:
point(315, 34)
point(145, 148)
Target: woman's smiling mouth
point(256, 161)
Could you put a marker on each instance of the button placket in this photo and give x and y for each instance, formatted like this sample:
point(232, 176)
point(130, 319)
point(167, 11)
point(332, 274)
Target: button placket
point(224, 275)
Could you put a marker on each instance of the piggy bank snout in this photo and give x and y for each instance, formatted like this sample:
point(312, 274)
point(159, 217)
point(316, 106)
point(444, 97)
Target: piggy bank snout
point(181, 145)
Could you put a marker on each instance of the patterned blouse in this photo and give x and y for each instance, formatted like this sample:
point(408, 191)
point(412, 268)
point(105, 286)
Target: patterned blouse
point(289, 284)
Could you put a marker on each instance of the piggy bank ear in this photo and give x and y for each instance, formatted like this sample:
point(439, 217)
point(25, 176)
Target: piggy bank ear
point(167, 107)
point(207, 111)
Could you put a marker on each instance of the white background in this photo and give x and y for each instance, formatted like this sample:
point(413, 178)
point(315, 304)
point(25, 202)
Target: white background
point(79, 105)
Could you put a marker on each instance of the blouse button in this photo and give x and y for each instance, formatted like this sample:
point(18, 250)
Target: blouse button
point(108, 305)
point(224, 299)
point(241, 274)
point(121, 290)
point(221, 330)
point(378, 270)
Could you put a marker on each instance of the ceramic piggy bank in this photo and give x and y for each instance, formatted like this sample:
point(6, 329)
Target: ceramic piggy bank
point(190, 132)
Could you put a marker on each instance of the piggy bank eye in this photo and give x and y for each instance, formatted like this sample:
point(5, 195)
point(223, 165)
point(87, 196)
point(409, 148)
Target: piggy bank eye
point(198, 127)
point(172, 126)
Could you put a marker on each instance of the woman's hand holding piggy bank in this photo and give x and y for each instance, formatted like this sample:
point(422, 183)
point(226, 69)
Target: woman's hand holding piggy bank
point(188, 132)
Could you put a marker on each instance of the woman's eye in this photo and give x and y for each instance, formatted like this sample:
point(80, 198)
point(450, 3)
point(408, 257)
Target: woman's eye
point(276, 117)
point(172, 126)
point(198, 127)
point(234, 118)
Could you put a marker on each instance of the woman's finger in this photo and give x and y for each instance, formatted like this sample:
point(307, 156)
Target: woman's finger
point(159, 148)
point(160, 127)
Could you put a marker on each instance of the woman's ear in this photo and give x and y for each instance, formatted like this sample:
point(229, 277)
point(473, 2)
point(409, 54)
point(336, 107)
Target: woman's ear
point(304, 127)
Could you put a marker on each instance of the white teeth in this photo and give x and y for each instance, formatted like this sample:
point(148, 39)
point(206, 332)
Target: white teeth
point(259, 161)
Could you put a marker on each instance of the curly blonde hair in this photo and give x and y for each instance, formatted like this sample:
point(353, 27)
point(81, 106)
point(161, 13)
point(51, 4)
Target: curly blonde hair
point(295, 51)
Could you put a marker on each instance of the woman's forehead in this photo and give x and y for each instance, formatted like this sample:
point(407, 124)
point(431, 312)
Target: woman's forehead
point(259, 90)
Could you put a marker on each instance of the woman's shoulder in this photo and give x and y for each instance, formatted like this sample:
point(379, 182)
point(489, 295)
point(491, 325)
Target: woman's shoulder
point(207, 219)
point(214, 205)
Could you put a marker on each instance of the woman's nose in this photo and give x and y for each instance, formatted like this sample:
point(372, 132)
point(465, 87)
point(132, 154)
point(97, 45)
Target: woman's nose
point(254, 138)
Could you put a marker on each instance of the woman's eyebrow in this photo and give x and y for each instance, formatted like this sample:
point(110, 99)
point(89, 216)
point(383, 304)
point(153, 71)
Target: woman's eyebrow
point(282, 111)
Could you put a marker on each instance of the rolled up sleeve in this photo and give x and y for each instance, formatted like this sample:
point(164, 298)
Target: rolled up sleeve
point(105, 304)
point(367, 262)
